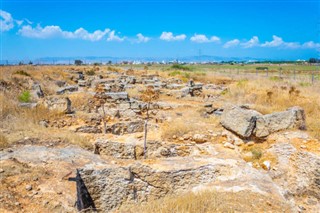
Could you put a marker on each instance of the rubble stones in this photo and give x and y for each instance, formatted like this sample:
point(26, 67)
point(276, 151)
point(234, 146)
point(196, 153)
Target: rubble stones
point(37, 91)
point(89, 129)
point(67, 89)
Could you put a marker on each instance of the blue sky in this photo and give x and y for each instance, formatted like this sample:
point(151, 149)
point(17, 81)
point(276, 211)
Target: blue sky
point(274, 29)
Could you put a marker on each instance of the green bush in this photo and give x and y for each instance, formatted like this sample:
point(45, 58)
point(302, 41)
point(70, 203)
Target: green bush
point(180, 67)
point(25, 97)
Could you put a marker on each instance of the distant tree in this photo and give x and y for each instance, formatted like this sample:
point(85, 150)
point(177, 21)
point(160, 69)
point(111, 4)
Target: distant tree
point(30, 62)
point(148, 96)
point(21, 63)
point(97, 64)
point(78, 62)
point(313, 60)
point(109, 62)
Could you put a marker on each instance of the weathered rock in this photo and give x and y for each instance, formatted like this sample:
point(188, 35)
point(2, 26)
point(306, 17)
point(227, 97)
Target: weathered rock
point(37, 91)
point(44, 123)
point(89, 129)
point(60, 83)
point(96, 82)
point(28, 105)
point(175, 86)
point(115, 149)
point(116, 96)
point(229, 145)
point(292, 118)
point(83, 83)
point(297, 171)
point(110, 187)
point(62, 105)
point(67, 89)
point(125, 127)
point(240, 121)
point(199, 138)
point(28, 187)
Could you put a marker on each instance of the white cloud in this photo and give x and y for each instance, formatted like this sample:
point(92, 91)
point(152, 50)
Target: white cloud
point(142, 38)
point(85, 35)
point(278, 42)
point(113, 37)
point(19, 22)
point(215, 39)
point(311, 45)
point(56, 31)
point(28, 21)
point(200, 38)
point(6, 21)
point(232, 43)
point(254, 41)
point(168, 36)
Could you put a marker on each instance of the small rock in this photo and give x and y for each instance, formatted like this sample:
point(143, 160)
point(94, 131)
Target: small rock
point(174, 137)
point(186, 137)
point(248, 156)
point(238, 142)
point(251, 143)
point(17, 204)
point(198, 138)
point(180, 139)
point(303, 146)
point(312, 201)
point(1, 171)
point(266, 165)
point(229, 145)
point(28, 187)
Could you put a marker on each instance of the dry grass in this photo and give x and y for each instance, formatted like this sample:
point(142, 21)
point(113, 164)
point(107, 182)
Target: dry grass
point(190, 122)
point(135, 92)
point(268, 96)
point(211, 201)
point(3, 141)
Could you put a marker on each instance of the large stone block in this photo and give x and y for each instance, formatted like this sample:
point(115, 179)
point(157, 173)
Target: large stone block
point(239, 120)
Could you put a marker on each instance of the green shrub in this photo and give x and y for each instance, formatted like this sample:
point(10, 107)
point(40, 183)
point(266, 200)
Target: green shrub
point(21, 72)
point(180, 67)
point(25, 97)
